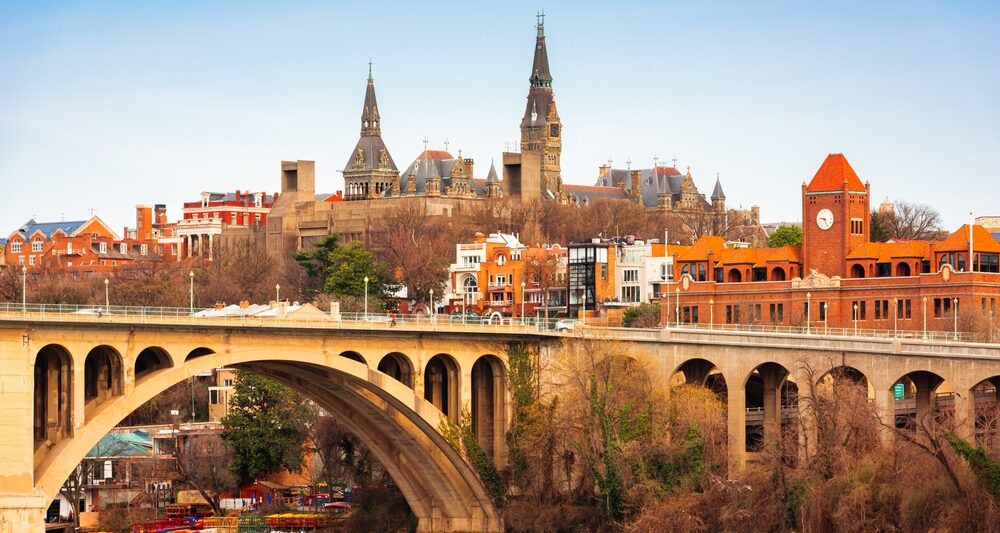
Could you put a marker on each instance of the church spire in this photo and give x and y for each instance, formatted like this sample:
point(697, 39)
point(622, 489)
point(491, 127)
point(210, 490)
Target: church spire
point(540, 75)
point(370, 126)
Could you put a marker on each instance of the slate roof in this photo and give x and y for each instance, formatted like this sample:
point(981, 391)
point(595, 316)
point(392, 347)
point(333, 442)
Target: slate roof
point(435, 164)
point(492, 176)
point(717, 192)
point(585, 194)
point(832, 174)
point(48, 228)
point(372, 147)
point(540, 96)
point(653, 182)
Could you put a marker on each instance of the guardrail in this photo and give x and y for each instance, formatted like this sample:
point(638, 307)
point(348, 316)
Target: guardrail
point(283, 316)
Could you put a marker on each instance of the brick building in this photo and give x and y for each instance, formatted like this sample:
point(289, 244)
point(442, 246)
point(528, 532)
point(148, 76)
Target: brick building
point(203, 221)
point(838, 278)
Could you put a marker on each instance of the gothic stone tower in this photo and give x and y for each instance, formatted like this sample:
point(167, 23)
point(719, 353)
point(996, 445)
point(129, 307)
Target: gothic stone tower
point(370, 171)
point(535, 172)
point(835, 217)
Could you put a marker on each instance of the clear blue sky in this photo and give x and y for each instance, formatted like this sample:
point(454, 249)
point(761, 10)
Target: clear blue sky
point(108, 105)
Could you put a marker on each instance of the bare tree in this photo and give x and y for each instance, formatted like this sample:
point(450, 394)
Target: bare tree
point(203, 464)
point(911, 221)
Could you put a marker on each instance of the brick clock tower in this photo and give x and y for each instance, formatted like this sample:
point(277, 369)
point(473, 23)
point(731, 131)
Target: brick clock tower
point(835, 217)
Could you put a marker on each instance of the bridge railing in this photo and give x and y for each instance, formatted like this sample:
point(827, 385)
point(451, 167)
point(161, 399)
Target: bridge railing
point(283, 316)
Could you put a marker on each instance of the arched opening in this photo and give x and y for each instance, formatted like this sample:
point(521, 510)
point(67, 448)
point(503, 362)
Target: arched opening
point(903, 269)
point(102, 377)
point(441, 386)
point(778, 274)
point(53, 413)
point(354, 356)
point(488, 405)
point(150, 360)
point(916, 396)
point(398, 367)
point(771, 402)
point(734, 276)
point(857, 271)
point(987, 413)
point(198, 352)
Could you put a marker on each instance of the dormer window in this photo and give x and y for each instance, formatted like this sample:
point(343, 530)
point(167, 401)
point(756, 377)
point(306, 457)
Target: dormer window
point(36, 245)
point(103, 247)
point(123, 248)
point(15, 247)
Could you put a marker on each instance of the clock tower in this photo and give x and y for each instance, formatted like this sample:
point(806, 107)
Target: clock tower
point(835, 217)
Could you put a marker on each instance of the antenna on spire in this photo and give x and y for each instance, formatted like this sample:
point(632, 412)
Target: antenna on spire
point(675, 161)
point(425, 143)
point(370, 70)
point(656, 162)
point(446, 143)
point(628, 163)
point(541, 19)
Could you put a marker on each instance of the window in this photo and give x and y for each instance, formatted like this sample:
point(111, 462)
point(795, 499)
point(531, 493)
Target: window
point(15, 247)
point(719, 276)
point(989, 263)
point(213, 397)
point(604, 271)
point(760, 274)
point(103, 247)
point(502, 279)
point(107, 469)
point(69, 248)
point(31, 260)
point(732, 314)
point(883, 270)
point(122, 248)
point(857, 226)
point(822, 311)
point(942, 307)
point(501, 259)
point(36, 245)
point(858, 310)
point(881, 309)
point(630, 294)
point(630, 275)
point(755, 313)
point(689, 314)
point(777, 313)
point(144, 249)
point(904, 309)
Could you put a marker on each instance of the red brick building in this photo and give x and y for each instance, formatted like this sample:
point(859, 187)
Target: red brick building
point(204, 220)
point(838, 278)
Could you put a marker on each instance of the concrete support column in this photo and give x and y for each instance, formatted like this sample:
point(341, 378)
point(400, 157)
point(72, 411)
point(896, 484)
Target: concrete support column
point(925, 385)
point(965, 414)
point(772, 377)
point(21, 512)
point(808, 435)
point(696, 372)
point(736, 414)
point(885, 406)
point(79, 393)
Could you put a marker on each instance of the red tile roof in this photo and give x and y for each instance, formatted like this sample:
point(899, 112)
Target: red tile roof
point(832, 174)
point(884, 252)
point(436, 155)
point(699, 250)
point(982, 241)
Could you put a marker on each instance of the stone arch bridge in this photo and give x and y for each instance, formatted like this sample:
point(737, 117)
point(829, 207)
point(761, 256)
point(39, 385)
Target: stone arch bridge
point(66, 380)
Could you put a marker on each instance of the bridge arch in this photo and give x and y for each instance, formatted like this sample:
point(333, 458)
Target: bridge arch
point(442, 384)
point(103, 377)
point(198, 352)
point(397, 366)
point(392, 420)
point(150, 360)
point(920, 388)
point(489, 385)
point(52, 414)
point(768, 389)
point(354, 356)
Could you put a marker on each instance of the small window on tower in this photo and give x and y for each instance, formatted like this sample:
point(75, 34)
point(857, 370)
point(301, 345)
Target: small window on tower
point(554, 130)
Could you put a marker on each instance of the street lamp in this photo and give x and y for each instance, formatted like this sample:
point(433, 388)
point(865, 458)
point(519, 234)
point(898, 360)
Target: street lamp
point(711, 313)
point(522, 303)
point(431, 304)
point(924, 312)
point(808, 313)
point(855, 320)
point(191, 292)
point(366, 298)
point(24, 289)
point(823, 311)
point(677, 305)
point(954, 312)
point(107, 294)
point(277, 293)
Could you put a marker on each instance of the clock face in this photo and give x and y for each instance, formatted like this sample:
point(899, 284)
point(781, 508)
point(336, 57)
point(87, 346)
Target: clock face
point(824, 219)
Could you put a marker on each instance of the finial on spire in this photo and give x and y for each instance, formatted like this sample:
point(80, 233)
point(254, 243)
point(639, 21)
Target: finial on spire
point(656, 162)
point(446, 143)
point(425, 143)
point(370, 79)
point(675, 161)
point(628, 163)
point(541, 23)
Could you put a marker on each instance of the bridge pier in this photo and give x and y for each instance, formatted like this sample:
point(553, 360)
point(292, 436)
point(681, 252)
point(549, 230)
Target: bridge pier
point(885, 406)
point(965, 414)
point(772, 377)
point(20, 513)
point(736, 420)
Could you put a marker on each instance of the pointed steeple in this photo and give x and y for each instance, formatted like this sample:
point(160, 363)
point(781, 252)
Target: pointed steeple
point(492, 182)
point(492, 176)
point(717, 194)
point(370, 123)
point(540, 75)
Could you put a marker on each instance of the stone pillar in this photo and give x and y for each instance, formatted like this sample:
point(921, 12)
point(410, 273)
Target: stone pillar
point(925, 384)
point(210, 240)
point(772, 377)
point(21, 508)
point(885, 406)
point(965, 414)
point(736, 415)
point(20, 513)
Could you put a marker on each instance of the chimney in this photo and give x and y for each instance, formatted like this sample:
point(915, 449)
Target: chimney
point(468, 168)
point(635, 183)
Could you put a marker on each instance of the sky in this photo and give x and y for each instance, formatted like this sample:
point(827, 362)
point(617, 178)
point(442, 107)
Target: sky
point(107, 105)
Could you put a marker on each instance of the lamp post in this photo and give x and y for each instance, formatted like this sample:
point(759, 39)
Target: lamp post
point(431, 304)
point(855, 320)
point(191, 292)
point(107, 295)
point(277, 293)
point(823, 311)
point(808, 313)
point(366, 298)
point(522, 302)
point(24, 289)
point(711, 313)
point(463, 306)
point(924, 313)
point(954, 312)
point(677, 305)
